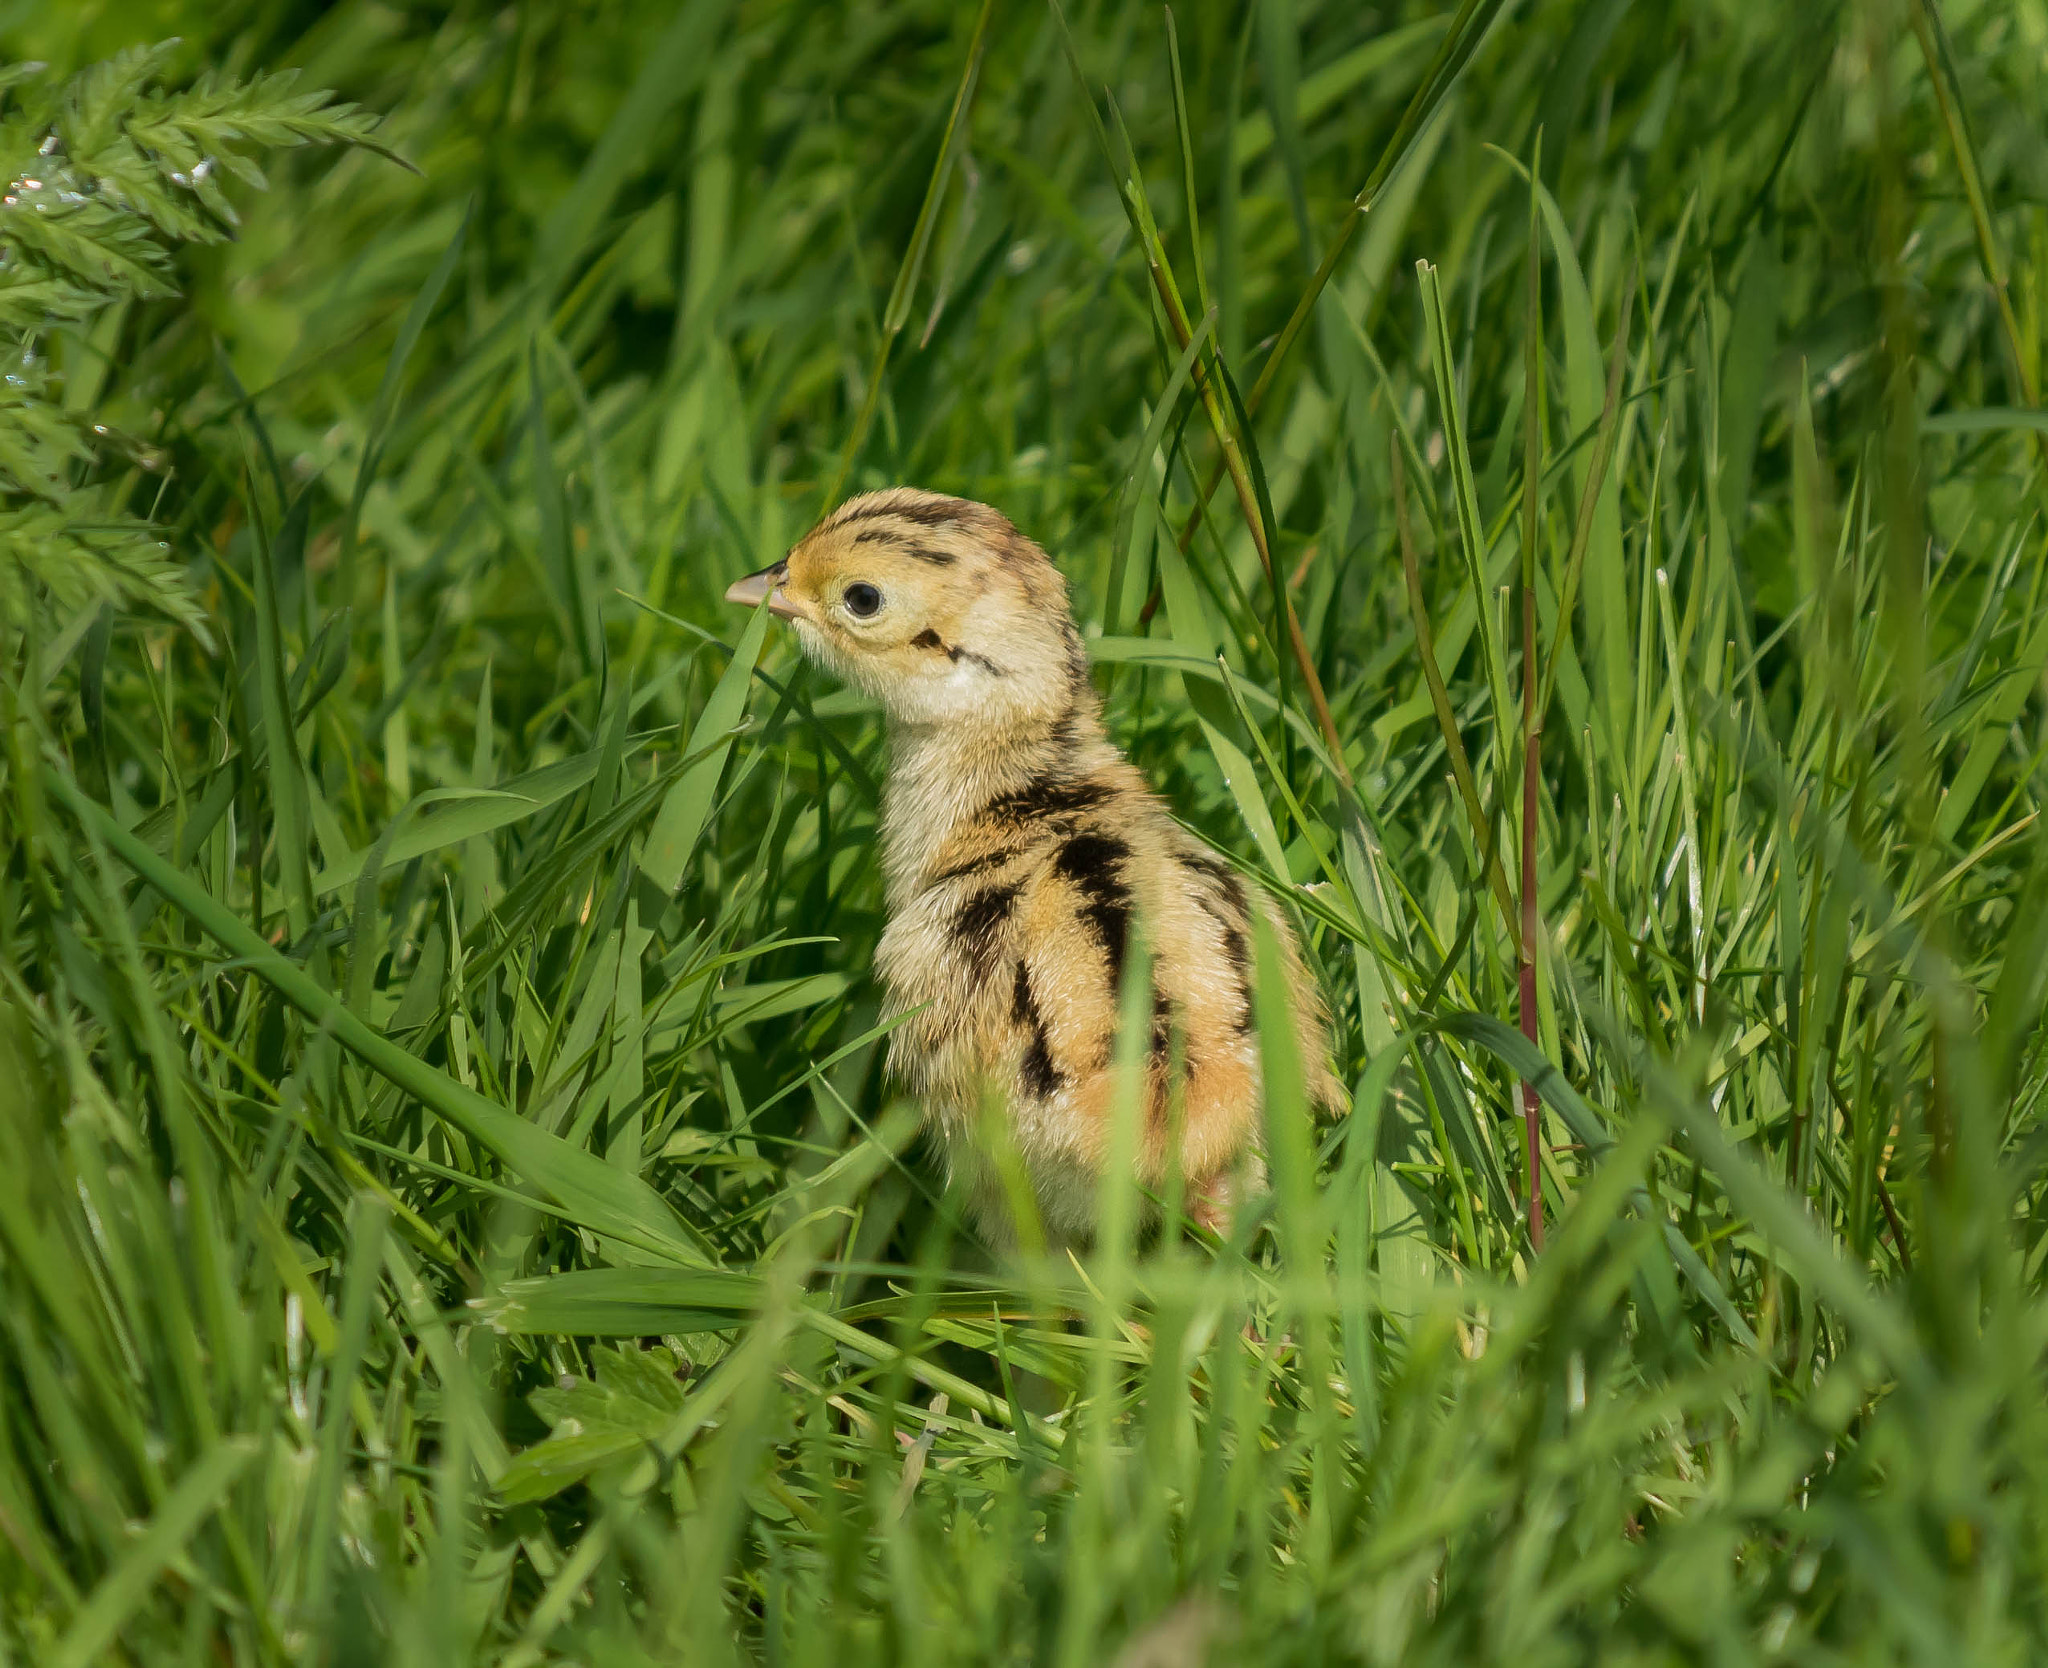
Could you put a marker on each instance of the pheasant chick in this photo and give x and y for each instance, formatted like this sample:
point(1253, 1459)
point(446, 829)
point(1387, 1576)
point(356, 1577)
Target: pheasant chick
point(1019, 848)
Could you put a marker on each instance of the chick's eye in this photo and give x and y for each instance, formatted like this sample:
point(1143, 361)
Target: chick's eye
point(862, 600)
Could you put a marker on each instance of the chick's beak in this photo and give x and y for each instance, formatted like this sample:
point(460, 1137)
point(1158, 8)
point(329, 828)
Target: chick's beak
point(749, 591)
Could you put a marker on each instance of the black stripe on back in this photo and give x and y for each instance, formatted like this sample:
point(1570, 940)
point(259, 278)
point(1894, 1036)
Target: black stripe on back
point(1092, 862)
point(1050, 795)
point(1213, 869)
point(1162, 1029)
point(1238, 954)
point(1042, 1079)
point(976, 865)
point(1066, 732)
point(980, 919)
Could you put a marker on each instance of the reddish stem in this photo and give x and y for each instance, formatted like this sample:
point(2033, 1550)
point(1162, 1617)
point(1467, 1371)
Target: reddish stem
point(1532, 758)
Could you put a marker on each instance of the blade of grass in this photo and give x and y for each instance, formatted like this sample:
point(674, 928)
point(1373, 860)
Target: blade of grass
point(1467, 29)
point(409, 332)
point(1935, 47)
point(160, 1546)
point(1532, 718)
point(1440, 701)
point(359, 1289)
point(903, 292)
point(687, 805)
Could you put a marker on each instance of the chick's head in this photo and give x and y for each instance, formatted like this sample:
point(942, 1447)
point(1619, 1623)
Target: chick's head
point(936, 606)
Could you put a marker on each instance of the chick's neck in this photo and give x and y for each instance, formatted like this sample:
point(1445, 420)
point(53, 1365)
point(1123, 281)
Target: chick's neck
point(942, 775)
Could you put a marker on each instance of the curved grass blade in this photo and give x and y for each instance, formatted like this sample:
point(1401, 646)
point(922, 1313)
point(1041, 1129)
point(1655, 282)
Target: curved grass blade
point(588, 1190)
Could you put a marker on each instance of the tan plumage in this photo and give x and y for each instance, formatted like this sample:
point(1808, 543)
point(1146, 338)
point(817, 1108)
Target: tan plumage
point(1021, 851)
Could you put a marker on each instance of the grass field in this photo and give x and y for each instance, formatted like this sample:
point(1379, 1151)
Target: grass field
point(451, 1205)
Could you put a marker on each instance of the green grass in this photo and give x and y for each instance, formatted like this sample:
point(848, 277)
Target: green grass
point(451, 1205)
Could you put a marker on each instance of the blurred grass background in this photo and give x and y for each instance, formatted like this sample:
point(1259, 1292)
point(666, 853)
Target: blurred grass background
point(451, 1205)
